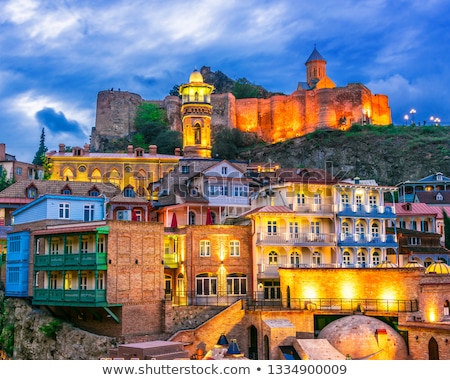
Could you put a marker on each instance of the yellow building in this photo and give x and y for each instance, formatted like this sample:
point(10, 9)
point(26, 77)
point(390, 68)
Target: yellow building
point(136, 168)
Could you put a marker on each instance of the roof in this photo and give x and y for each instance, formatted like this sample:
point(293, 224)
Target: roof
point(433, 197)
point(315, 56)
point(18, 189)
point(269, 210)
point(412, 208)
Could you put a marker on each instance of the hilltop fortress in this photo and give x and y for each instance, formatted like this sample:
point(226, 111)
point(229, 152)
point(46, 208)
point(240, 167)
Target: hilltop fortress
point(315, 104)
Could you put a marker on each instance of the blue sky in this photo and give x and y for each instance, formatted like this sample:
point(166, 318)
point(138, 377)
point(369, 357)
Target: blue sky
point(55, 56)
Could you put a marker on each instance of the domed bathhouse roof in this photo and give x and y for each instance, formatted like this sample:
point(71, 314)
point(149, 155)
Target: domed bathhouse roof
point(386, 264)
point(438, 267)
point(363, 337)
point(413, 264)
point(196, 77)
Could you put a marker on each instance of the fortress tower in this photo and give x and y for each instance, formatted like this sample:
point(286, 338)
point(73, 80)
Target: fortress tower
point(196, 111)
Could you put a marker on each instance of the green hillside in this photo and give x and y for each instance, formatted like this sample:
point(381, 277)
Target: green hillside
point(389, 154)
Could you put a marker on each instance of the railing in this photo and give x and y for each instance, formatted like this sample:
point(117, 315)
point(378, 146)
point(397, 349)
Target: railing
point(75, 259)
point(256, 301)
point(372, 239)
point(66, 297)
point(333, 304)
point(366, 210)
point(312, 208)
point(283, 237)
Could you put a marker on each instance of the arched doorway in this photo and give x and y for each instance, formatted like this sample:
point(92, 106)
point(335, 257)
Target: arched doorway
point(253, 347)
point(433, 350)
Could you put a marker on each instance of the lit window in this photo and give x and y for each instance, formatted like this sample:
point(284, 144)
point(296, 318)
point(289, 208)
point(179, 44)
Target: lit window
point(272, 227)
point(295, 259)
point(301, 199)
point(235, 248)
point(205, 248)
point(236, 284)
point(206, 285)
point(273, 258)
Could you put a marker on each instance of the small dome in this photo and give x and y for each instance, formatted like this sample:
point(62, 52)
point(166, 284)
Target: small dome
point(196, 76)
point(386, 264)
point(439, 267)
point(363, 337)
point(413, 264)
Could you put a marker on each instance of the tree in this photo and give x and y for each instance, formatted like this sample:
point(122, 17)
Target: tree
point(244, 89)
point(4, 181)
point(228, 142)
point(446, 230)
point(41, 151)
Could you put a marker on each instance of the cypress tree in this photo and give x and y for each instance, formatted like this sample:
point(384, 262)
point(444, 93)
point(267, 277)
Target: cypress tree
point(40, 154)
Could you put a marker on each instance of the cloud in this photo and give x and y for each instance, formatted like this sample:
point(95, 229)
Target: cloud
point(57, 123)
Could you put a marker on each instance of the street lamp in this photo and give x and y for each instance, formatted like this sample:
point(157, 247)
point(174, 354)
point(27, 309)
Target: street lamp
point(406, 117)
point(412, 112)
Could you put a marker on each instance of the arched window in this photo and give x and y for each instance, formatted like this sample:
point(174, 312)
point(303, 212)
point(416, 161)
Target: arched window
point(192, 218)
point(375, 230)
point(273, 258)
point(433, 350)
point(316, 258)
point(295, 259)
point(375, 258)
point(197, 134)
point(345, 229)
point(361, 258)
point(346, 258)
point(446, 308)
point(96, 176)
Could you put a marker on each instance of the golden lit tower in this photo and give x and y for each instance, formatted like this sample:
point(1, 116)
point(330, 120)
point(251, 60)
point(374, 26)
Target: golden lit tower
point(315, 68)
point(196, 116)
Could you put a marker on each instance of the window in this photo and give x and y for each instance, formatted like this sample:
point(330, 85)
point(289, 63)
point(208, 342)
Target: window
point(69, 246)
point(218, 190)
point(344, 199)
point(360, 230)
point(53, 281)
point(317, 201)
point(206, 286)
point(241, 191)
point(19, 171)
point(373, 200)
point(54, 247)
point(235, 248)
point(224, 170)
point(84, 245)
point(191, 218)
point(316, 258)
point(236, 284)
point(83, 281)
point(293, 230)
point(184, 169)
point(375, 258)
point(345, 229)
point(315, 227)
point(273, 258)
point(88, 213)
point(68, 281)
point(375, 230)
point(128, 192)
point(205, 248)
point(101, 281)
point(301, 199)
point(101, 244)
point(346, 258)
point(272, 227)
point(358, 199)
point(361, 259)
point(66, 191)
point(295, 259)
point(414, 241)
point(31, 192)
point(94, 193)
point(64, 209)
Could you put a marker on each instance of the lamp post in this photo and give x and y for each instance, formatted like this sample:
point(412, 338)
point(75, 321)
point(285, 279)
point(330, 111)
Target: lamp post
point(406, 117)
point(412, 112)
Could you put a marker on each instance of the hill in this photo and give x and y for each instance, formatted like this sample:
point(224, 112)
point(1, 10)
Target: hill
point(389, 154)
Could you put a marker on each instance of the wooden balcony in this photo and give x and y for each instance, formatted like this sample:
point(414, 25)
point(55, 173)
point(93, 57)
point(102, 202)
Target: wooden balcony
point(64, 297)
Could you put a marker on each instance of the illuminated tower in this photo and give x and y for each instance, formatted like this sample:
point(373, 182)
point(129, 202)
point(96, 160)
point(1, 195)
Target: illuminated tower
point(196, 116)
point(315, 68)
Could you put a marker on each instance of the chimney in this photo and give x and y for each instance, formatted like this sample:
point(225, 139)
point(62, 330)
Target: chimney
point(177, 151)
point(152, 149)
point(87, 148)
point(2, 152)
point(62, 148)
point(130, 149)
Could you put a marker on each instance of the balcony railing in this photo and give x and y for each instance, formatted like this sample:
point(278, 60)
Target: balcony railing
point(289, 238)
point(80, 297)
point(65, 260)
point(366, 210)
point(333, 304)
point(312, 208)
point(367, 239)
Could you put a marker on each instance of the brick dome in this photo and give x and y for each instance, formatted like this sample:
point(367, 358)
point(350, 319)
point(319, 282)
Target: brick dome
point(364, 337)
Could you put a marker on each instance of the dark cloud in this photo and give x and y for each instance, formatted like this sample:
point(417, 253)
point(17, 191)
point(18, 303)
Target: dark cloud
point(146, 81)
point(56, 122)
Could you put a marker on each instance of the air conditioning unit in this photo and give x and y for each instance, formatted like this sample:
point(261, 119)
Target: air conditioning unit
point(124, 215)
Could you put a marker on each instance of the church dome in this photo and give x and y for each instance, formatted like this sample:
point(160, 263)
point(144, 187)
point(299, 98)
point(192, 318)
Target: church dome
point(196, 77)
point(439, 267)
point(364, 337)
point(413, 264)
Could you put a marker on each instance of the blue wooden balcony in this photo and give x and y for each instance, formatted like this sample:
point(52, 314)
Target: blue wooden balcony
point(63, 297)
point(367, 240)
point(96, 260)
point(366, 211)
